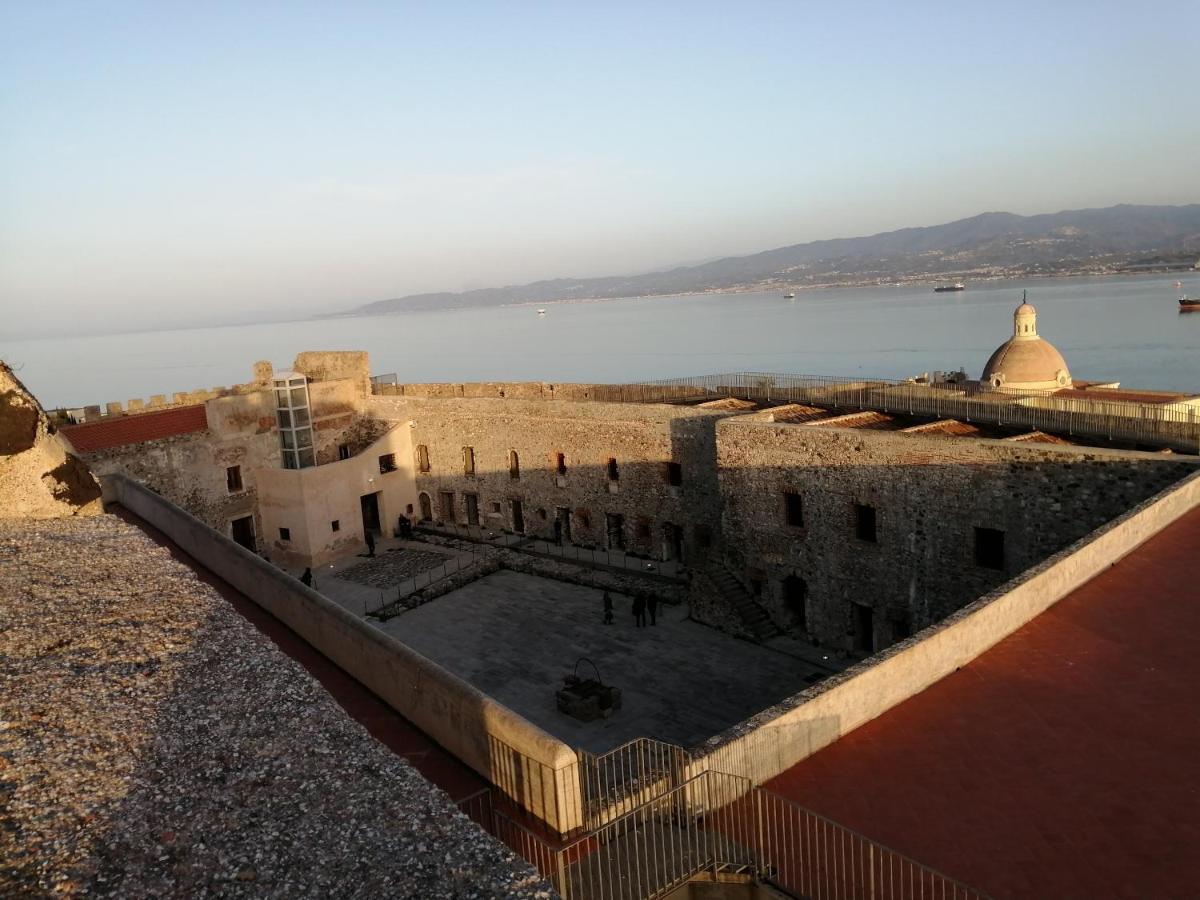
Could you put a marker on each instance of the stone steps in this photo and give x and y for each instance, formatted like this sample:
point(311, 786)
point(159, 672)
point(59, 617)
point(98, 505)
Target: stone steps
point(751, 613)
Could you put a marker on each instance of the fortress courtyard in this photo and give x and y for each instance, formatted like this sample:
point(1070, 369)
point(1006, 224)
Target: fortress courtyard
point(515, 636)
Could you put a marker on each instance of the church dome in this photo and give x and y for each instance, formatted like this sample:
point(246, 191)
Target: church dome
point(1026, 361)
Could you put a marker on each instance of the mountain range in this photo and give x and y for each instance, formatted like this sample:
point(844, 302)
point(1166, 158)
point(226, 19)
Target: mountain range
point(989, 245)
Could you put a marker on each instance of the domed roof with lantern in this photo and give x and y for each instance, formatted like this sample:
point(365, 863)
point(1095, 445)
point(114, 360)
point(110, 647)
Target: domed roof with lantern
point(1026, 361)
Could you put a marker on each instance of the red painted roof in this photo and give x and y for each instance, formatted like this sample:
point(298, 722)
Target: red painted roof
point(1062, 762)
point(117, 431)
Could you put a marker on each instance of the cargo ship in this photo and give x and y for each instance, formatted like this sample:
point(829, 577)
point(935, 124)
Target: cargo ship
point(1187, 304)
point(946, 288)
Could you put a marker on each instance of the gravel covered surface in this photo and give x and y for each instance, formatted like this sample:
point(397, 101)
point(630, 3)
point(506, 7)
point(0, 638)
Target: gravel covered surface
point(392, 567)
point(153, 743)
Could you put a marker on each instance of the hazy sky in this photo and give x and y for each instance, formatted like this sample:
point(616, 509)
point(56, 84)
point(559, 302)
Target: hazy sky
point(173, 162)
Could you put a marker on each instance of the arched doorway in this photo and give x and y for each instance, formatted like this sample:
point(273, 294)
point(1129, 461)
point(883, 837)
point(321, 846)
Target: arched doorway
point(426, 507)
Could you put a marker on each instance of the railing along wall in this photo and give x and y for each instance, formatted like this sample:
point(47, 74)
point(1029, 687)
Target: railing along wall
point(1171, 425)
point(1175, 425)
point(722, 824)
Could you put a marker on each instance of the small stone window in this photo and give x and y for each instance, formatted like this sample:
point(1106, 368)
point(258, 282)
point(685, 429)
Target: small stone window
point(469, 461)
point(641, 528)
point(233, 479)
point(422, 458)
point(335, 525)
point(387, 463)
point(514, 465)
point(989, 548)
point(614, 473)
point(793, 509)
point(285, 534)
point(542, 513)
point(560, 463)
point(674, 474)
point(495, 506)
point(864, 523)
point(343, 451)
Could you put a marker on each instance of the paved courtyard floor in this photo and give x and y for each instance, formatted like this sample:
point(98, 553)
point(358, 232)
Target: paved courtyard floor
point(515, 636)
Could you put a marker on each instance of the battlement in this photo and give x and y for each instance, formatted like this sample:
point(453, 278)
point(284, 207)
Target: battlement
point(318, 366)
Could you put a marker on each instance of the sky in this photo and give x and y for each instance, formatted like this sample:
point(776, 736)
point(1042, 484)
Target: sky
point(174, 163)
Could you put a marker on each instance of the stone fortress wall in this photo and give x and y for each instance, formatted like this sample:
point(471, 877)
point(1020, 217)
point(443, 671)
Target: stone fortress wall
point(618, 460)
point(927, 496)
point(951, 517)
point(192, 469)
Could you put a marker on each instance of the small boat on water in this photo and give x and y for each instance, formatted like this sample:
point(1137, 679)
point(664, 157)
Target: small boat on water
point(1189, 304)
point(947, 288)
point(789, 296)
point(541, 312)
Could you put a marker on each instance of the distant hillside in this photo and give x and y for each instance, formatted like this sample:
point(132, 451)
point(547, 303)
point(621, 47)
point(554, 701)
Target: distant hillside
point(992, 244)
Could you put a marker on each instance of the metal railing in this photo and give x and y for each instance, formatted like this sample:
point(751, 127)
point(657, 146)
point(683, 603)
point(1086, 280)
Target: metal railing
point(391, 600)
point(617, 782)
point(1172, 425)
point(720, 823)
point(551, 549)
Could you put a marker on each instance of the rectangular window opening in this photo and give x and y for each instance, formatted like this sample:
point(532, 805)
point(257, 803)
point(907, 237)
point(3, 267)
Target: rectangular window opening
point(560, 463)
point(989, 548)
point(793, 509)
point(674, 474)
point(233, 479)
point(469, 461)
point(335, 525)
point(422, 458)
point(343, 451)
point(387, 463)
point(285, 534)
point(864, 523)
point(614, 473)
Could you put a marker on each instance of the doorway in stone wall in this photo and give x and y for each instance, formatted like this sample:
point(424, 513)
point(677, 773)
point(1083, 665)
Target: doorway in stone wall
point(562, 524)
point(426, 507)
point(795, 601)
point(864, 628)
point(518, 516)
point(672, 541)
point(242, 531)
point(370, 512)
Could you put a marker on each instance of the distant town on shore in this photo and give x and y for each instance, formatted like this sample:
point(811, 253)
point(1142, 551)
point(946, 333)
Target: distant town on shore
point(1113, 240)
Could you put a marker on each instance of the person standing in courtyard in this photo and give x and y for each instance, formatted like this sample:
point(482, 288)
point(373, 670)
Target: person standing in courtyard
point(306, 579)
point(639, 611)
point(608, 609)
point(652, 607)
point(370, 542)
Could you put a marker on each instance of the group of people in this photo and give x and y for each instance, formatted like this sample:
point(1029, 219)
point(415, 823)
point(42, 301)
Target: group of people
point(642, 603)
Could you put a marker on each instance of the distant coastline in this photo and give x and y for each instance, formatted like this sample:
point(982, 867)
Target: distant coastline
point(1075, 243)
point(359, 313)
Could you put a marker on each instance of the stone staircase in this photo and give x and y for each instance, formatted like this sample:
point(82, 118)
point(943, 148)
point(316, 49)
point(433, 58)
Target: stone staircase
point(753, 617)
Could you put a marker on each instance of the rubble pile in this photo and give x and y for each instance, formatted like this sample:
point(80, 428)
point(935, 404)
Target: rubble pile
point(153, 743)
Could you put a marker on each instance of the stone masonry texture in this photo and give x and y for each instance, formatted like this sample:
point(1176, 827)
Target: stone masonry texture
point(929, 495)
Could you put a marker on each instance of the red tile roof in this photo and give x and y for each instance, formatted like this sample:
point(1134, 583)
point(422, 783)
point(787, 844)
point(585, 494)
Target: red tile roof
point(117, 431)
point(1062, 762)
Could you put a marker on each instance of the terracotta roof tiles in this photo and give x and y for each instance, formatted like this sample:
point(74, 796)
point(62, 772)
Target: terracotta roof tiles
point(118, 431)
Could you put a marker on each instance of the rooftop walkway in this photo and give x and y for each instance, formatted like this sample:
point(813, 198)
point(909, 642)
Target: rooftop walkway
point(1062, 762)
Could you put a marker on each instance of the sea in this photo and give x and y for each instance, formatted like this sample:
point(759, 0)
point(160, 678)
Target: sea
point(1118, 328)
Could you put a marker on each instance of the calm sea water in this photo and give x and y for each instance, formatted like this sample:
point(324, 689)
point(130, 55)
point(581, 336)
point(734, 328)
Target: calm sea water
point(1126, 329)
